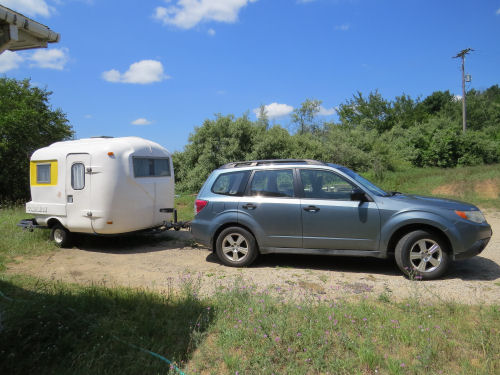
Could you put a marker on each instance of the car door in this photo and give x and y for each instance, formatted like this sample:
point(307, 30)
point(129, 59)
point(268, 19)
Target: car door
point(330, 219)
point(271, 209)
point(79, 216)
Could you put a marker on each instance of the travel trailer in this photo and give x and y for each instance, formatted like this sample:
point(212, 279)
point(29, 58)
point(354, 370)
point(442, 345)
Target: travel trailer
point(100, 185)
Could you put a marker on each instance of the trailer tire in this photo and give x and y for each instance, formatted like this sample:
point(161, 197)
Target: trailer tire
point(60, 235)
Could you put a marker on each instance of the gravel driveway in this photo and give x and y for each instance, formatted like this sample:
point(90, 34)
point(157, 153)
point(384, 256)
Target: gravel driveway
point(166, 261)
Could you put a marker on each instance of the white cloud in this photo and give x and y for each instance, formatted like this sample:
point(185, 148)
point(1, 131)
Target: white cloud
point(186, 14)
point(211, 32)
point(141, 72)
point(53, 58)
point(343, 27)
point(29, 7)
point(9, 60)
point(88, 116)
point(141, 121)
point(498, 11)
point(275, 110)
point(326, 111)
point(457, 97)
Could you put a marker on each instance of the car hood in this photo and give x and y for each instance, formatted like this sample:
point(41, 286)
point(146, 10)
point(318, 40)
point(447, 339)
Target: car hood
point(419, 200)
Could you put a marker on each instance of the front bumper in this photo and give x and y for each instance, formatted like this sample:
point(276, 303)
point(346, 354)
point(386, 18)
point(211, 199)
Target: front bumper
point(474, 250)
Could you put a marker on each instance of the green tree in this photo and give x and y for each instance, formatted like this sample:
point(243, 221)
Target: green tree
point(304, 117)
point(27, 122)
point(372, 112)
point(213, 144)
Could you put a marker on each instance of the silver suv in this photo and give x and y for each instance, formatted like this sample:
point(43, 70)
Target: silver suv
point(310, 207)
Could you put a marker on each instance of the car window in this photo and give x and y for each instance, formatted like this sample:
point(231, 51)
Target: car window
point(232, 183)
point(272, 183)
point(325, 185)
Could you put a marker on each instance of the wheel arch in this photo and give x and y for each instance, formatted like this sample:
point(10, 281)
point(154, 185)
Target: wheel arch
point(405, 229)
point(52, 222)
point(227, 225)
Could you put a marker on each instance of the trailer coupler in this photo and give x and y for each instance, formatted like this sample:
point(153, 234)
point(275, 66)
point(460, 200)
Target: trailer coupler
point(176, 225)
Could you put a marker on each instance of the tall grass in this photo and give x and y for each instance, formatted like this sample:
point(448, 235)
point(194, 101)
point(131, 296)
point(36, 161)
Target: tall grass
point(259, 334)
point(15, 242)
point(55, 328)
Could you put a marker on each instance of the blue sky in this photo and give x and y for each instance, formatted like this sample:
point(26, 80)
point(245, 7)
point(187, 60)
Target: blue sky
point(156, 69)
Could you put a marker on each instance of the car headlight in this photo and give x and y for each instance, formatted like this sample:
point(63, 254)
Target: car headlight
point(475, 216)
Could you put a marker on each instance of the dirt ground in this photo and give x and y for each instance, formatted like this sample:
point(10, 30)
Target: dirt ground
point(168, 261)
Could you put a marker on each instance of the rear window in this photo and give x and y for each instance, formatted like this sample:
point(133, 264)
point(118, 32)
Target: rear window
point(232, 183)
point(151, 167)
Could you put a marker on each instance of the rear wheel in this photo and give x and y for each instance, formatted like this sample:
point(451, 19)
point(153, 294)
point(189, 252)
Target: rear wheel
point(422, 254)
point(60, 235)
point(236, 247)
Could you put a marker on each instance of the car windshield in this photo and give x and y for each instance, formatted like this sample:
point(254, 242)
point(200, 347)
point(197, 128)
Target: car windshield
point(363, 181)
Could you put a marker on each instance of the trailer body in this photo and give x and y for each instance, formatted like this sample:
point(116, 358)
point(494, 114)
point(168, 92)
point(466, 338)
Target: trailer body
point(102, 185)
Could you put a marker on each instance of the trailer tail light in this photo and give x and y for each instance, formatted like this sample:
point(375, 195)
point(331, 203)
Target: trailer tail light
point(199, 205)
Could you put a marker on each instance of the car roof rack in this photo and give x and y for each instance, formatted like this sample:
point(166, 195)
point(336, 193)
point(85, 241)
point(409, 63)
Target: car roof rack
point(254, 163)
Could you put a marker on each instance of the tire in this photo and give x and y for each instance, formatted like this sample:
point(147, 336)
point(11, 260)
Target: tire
point(236, 247)
point(60, 235)
point(422, 255)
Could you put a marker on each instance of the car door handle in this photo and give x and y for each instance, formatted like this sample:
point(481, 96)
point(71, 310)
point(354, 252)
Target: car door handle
point(249, 206)
point(311, 209)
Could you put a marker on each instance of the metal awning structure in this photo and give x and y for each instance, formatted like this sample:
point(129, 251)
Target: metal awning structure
point(18, 32)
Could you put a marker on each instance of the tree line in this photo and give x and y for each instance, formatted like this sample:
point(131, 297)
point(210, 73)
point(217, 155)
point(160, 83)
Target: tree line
point(372, 133)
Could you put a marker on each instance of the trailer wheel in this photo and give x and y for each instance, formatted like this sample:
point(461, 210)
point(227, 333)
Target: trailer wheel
point(60, 235)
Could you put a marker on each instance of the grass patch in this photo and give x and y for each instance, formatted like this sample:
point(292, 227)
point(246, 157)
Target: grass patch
point(56, 328)
point(184, 203)
point(258, 334)
point(50, 327)
point(16, 242)
point(478, 185)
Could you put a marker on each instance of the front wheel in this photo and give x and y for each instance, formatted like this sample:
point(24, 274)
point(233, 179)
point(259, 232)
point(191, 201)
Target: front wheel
point(60, 235)
point(236, 247)
point(422, 255)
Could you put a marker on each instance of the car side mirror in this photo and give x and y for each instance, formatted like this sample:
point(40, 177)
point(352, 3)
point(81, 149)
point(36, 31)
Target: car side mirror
point(359, 195)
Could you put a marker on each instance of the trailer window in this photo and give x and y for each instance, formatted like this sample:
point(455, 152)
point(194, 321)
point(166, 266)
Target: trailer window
point(43, 174)
point(149, 167)
point(78, 176)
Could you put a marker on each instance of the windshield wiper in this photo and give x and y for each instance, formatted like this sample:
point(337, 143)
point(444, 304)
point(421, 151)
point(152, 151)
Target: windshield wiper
point(393, 193)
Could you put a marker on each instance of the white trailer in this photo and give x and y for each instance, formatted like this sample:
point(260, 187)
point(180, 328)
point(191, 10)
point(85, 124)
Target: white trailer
point(100, 185)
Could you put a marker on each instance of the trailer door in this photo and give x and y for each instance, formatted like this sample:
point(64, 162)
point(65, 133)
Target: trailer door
point(78, 180)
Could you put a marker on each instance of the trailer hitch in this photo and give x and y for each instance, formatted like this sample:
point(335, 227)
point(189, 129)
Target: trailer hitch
point(176, 225)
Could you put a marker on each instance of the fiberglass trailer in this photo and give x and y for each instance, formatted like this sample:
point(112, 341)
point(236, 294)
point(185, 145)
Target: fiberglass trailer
point(100, 185)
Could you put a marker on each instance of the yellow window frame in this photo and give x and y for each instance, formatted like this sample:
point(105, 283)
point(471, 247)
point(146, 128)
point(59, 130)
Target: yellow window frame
point(53, 172)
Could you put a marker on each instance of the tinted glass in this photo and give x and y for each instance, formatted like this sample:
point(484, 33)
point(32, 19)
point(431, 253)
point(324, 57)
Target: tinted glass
point(149, 167)
point(273, 183)
point(78, 176)
point(230, 183)
point(363, 181)
point(325, 185)
point(43, 174)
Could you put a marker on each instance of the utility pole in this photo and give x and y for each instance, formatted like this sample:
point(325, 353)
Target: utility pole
point(462, 54)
